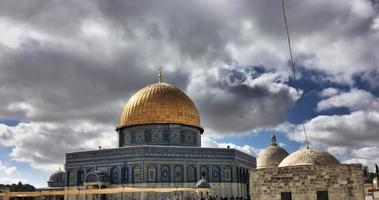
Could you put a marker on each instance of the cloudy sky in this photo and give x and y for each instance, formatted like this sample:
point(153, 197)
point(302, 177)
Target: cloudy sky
point(68, 67)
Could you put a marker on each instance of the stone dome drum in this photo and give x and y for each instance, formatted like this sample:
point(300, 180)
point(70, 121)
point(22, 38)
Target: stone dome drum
point(160, 103)
point(309, 157)
point(271, 156)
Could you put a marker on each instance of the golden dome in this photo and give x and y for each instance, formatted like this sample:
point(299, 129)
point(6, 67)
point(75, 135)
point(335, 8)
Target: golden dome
point(160, 103)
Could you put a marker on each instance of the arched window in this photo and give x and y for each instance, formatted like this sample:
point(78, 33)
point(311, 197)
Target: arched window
point(92, 178)
point(165, 174)
point(71, 177)
point(151, 173)
point(191, 174)
point(178, 172)
point(240, 175)
point(204, 172)
point(137, 174)
point(247, 176)
point(216, 176)
point(80, 177)
point(228, 174)
point(244, 178)
point(125, 174)
point(114, 175)
point(68, 178)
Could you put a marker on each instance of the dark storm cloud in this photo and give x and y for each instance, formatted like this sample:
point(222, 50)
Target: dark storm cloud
point(243, 101)
point(193, 27)
point(63, 85)
point(54, 17)
point(55, 82)
point(196, 29)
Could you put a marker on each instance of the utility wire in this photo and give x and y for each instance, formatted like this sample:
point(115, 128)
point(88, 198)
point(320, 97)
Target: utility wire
point(293, 67)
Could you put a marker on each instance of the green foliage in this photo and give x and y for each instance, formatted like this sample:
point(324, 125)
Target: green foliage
point(19, 187)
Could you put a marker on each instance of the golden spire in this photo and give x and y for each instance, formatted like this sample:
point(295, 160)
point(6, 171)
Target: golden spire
point(160, 75)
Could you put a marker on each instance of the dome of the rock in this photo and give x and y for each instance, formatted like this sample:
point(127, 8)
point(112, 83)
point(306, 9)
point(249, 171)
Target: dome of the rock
point(160, 103)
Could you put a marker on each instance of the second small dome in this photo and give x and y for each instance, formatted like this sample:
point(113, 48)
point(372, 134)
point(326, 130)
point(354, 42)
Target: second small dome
point(309, 157)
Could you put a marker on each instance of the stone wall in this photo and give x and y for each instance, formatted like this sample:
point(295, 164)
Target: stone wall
point(342, 182)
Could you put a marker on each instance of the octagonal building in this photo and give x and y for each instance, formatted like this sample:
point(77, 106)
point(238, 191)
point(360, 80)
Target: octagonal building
point(159, 146)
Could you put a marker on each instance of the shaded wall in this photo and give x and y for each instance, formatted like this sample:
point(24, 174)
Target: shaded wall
point(341, 181)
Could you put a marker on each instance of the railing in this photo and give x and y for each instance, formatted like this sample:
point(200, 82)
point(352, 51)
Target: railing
point(7, 195)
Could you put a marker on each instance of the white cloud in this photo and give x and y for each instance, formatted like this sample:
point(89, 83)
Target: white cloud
point(357, 128)
point(355, 99)
point(23, 107)
point(328, 92)
point(352, 137)
point(9, 174)
point(91, 28)
point(43, 145)
point(209, 142)
point(368, 156)
point(7, 171)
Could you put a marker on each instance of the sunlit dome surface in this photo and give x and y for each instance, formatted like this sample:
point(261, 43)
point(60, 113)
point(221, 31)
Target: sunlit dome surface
point(309, 157)
point(271, 156)
point(160, 103)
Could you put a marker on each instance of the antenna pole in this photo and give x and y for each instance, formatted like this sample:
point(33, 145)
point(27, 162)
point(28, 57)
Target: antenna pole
point(293, 67)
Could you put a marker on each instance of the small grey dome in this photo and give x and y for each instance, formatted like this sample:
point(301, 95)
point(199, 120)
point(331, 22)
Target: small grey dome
point(309, 157)
point(202, 183)
point(271, 156)
point(57, 179)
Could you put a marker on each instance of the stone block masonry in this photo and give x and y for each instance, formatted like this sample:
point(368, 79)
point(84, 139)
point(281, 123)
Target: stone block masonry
point(338, 182)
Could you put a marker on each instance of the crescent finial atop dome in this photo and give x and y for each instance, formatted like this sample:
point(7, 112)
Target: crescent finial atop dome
point(160, 74)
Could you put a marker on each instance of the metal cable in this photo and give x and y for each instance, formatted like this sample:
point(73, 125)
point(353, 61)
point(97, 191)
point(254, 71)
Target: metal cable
point(293, 67)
